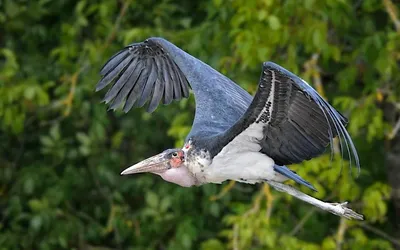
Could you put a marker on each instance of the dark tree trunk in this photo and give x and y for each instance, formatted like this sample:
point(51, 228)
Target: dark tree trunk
point(393, 165)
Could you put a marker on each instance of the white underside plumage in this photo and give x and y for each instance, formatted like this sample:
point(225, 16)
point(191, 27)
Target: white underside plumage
point(240, 160)
point(247, 167)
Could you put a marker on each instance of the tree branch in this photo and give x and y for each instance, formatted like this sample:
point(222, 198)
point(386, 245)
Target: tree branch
point(380, 233)
point(236, 237)
point(392, 11)
point(303, 220)
point(223, 192)
point(74, 77)
point(117, 24)
point(269, 199)
point(395, 130)
point(340, 233)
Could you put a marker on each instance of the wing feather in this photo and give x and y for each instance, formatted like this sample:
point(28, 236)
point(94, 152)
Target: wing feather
point(128, 87)
point(157, 95)
point(116, 59)
point(140, 73)
point(298, 124)
point(148, 86)
point(120, 82)
point(156, 71)
point(137, 89)
point(176, 83)
point(169, 87)
point(113, 72)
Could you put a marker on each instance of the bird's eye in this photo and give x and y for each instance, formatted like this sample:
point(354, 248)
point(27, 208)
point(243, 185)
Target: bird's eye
point(174, 154)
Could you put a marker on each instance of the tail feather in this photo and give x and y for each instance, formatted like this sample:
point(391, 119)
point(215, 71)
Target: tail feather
point(283, 170)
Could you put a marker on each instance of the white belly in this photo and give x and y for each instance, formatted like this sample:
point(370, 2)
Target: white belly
point(248, 167)
point(241, 160)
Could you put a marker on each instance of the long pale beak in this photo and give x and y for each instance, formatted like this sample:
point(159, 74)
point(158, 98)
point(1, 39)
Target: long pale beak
point(155, 164)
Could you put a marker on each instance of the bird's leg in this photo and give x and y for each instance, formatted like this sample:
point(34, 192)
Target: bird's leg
point(335, 208)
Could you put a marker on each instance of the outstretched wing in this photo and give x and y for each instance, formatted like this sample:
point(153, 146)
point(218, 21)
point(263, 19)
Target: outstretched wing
point(142, 72)
point(295, 122)
point(156, 70)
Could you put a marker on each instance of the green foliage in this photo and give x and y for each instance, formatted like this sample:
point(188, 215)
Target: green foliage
point(62, 152)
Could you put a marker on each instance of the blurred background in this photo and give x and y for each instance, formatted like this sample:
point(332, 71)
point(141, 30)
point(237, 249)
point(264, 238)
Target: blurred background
point(61, 151)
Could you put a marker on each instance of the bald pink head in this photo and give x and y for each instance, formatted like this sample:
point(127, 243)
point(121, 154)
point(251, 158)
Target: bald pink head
point(170, 165)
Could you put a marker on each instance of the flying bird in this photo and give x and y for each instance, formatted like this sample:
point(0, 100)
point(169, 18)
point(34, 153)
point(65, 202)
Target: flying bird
point(234, 136)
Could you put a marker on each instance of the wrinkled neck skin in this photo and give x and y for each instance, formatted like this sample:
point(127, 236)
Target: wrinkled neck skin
point(180, 176)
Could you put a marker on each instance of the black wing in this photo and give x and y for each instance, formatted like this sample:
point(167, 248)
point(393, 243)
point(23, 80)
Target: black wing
point(142, 72)
point(158, 70)
point(297, 123)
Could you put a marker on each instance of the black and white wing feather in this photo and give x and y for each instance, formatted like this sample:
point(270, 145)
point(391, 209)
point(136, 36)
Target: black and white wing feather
point(297, 123)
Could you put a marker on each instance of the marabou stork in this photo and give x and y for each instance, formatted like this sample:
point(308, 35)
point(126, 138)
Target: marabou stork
point(234, 136)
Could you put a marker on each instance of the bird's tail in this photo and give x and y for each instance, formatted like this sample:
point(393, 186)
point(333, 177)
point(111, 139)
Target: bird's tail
point(283, 170)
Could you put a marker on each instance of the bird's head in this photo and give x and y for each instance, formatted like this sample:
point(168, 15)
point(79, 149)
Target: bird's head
point(170, 165)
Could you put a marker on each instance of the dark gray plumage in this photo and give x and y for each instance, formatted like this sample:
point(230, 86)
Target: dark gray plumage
point(158, 69)
point(142, 72)
point(301, 123)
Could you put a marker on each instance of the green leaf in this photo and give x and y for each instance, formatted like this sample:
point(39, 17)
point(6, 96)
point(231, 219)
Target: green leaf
point(36, 222)
point(165, 204)
point(29, 93)
point(274, 22)
point(29, 186)
point(152, 199)
point(212, 244)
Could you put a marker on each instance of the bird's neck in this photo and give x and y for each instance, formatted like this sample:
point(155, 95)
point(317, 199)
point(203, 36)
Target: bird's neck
point(181, 176)
point(197, 162)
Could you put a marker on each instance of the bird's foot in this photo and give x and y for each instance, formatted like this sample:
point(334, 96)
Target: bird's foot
point(341, 210)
